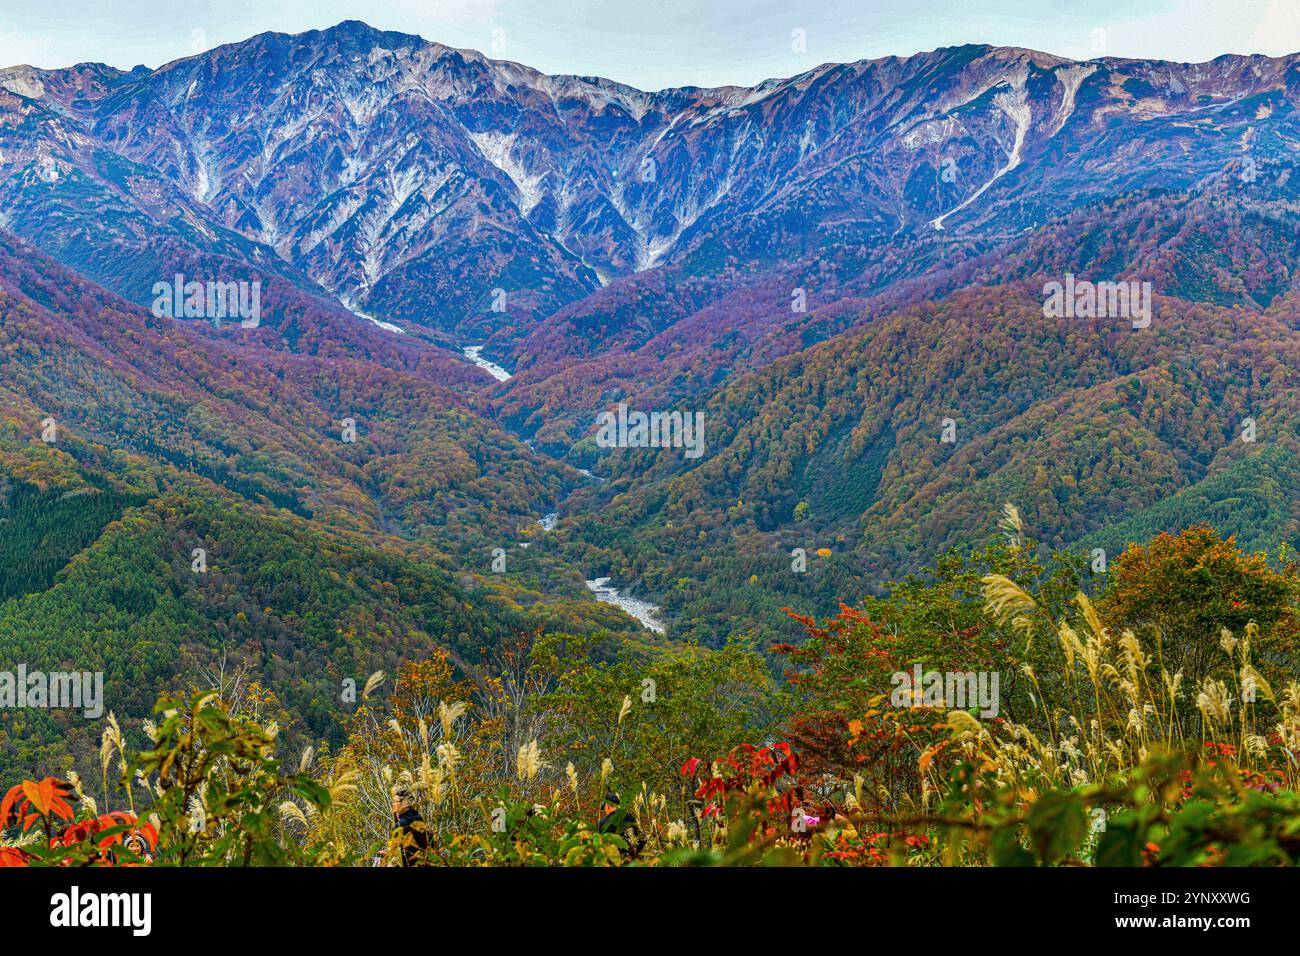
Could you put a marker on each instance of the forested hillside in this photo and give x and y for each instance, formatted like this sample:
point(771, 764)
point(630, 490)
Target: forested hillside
point(128, 444)
point(1101, 432)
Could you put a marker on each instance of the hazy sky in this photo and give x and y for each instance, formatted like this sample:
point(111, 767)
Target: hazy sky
point(666, 43)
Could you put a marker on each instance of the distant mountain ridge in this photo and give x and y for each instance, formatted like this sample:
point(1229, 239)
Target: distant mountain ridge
point(414, 181)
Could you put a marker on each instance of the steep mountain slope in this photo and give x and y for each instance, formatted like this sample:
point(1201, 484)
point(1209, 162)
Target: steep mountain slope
point(1099, 432)
point(268, 422)
point(439, 188)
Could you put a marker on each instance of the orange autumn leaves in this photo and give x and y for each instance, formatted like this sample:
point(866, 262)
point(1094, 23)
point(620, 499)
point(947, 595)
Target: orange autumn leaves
point(47, 802)
point(29, 801)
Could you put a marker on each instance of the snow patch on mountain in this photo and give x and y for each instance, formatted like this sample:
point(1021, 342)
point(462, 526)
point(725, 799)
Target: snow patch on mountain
point(398, 187)
point(1014, 104)
point(1071, 77)
point(930, 132)
point(23, 81)
point(497, 149)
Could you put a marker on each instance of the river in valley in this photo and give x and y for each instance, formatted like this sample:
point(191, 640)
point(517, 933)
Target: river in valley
point(643, 611)
point(475, 354)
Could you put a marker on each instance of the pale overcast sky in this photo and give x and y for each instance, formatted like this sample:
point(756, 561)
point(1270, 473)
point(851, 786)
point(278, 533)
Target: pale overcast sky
point(667, 43)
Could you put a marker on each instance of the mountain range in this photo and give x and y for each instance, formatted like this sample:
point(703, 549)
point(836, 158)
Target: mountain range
point(841, 271)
